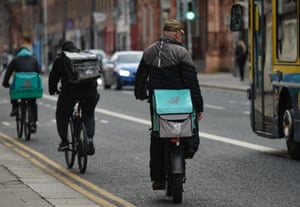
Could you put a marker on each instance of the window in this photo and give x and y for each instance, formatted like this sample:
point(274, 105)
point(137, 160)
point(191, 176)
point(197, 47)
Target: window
point(287, 41)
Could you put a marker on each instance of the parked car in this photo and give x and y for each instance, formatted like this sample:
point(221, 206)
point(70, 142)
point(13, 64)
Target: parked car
point(102, 58)
point(101, 55)
point(121, 69)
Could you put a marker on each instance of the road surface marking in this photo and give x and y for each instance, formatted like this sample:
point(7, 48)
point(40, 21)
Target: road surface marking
point(214, 107)
point(201, 134)
point(21, 148)
point(5, 123)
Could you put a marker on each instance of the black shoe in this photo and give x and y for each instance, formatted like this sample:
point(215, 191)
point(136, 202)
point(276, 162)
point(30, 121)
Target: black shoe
point(158, 185)
point(33, 128)
point(189, 154)
point(63, 146)
point(91, 148)
point(14, 111)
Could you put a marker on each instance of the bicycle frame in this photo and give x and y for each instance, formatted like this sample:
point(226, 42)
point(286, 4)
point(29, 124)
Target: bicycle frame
point(24, 118)
point(79, 140)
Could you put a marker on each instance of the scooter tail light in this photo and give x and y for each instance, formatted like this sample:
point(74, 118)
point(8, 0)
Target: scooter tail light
point(174, 140)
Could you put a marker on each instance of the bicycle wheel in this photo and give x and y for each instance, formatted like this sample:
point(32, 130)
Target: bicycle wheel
point(27, 121)
point(82, 147)
point(19, 122)
point(71, 151)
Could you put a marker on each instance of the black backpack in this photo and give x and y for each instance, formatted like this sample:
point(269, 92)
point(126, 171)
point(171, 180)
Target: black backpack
point(81, 66)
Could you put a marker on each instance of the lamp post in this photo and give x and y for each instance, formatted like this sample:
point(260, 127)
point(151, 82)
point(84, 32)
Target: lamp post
point(45, 5)
point(190, 16)
point(64, 20)
point(92, 23)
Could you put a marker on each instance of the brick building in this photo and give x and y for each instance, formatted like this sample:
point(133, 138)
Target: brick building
point(212, 42)
point(120, 25)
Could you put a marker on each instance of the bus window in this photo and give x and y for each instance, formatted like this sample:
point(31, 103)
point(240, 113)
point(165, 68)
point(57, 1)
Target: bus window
point(287, 30)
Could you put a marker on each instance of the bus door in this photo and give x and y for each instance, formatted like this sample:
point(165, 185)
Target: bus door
point(262, 101)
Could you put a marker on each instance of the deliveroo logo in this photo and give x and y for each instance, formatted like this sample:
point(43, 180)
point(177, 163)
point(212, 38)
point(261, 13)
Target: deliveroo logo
point(27, 84)
point(174, 100)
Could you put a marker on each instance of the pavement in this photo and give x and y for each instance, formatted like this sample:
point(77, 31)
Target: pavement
point(24, 184)
point(226, 81)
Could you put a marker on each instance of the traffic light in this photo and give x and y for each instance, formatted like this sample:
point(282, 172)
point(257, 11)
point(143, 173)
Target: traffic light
point(190, 13)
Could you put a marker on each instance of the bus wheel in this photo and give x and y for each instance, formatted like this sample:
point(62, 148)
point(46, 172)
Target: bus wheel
point(288, 131)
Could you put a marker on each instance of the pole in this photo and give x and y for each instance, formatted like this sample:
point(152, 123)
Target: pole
point(64, 20)
point(190, 44)
point(45, 35)
point(92, 23)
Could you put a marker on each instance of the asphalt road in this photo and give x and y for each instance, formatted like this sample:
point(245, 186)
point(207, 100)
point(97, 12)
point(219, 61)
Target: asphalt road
point(233, 166)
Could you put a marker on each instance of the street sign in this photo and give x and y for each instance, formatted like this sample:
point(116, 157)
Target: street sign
point(99, 17)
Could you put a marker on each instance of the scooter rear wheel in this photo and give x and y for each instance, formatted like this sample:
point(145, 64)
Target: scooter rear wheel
point(177, 187)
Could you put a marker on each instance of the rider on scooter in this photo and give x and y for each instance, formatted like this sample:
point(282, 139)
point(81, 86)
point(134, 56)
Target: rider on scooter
point(166, 64)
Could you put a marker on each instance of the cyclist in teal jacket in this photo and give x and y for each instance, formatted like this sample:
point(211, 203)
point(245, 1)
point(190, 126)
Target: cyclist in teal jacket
point(23, 62)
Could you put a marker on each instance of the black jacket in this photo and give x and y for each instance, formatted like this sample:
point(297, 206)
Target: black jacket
point(21, 64)
point(166, 64)
point(58, 74)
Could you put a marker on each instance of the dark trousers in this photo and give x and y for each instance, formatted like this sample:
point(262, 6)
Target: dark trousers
point(64, 109)
point(157, 151)
point(241, 65)
point(33, 107)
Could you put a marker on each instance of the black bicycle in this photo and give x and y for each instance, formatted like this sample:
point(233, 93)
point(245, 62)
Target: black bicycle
point(78, 140)
point(24, 119)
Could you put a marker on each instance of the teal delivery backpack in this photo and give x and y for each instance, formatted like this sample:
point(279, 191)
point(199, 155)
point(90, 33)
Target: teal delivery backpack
point(174, 115)
point(26, 85)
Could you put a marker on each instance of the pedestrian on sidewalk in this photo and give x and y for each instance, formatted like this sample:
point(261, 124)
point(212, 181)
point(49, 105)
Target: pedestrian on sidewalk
point(241, 52)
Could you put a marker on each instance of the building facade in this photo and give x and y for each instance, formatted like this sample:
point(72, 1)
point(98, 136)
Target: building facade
point(120, 25)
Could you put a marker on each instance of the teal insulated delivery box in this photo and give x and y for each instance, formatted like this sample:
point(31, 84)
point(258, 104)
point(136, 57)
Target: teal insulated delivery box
point(173, 113)
point(26, 85)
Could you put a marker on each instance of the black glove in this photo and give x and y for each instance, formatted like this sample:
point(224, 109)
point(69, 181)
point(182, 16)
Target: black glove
point(54, 91)
point(5, 85)
point(141, 94)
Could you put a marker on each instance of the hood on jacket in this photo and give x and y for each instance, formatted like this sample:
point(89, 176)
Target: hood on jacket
point(23, 51)
point(69, 47)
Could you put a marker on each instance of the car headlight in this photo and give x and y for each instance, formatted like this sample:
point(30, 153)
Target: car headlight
point(124, 73)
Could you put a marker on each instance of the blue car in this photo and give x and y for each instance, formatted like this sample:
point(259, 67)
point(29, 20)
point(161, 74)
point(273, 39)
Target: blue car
point(121, 69)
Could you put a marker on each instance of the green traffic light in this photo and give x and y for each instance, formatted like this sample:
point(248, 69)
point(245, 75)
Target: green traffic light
point(190, 15)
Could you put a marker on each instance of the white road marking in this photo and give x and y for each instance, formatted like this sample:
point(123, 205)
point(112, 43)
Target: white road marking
point(5, 123)
point(214, 107)
point(202, 134)
point(128, 92)
point(238, 143)
point(104, 121)
point(4, 101)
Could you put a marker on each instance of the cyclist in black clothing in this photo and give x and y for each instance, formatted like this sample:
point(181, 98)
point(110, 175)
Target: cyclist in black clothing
point(23, 62)
point(166, 64)
point(68, 94)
